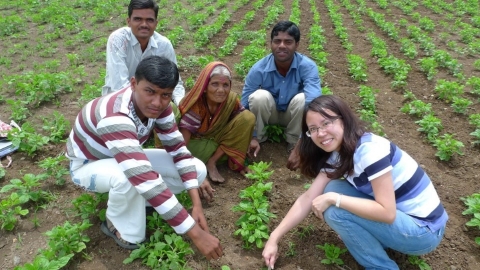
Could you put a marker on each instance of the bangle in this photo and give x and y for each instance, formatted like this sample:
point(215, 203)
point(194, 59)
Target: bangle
point(339, 198)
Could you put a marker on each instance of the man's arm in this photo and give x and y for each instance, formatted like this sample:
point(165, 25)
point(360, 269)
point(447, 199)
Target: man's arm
point(120, 136)
point(311, 82)
point(117, 75)
point(253, 82)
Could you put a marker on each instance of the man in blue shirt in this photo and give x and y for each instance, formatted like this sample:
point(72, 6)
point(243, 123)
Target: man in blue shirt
point(279, 86)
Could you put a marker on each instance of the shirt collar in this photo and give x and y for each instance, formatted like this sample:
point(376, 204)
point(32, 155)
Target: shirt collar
point(134, 40)
point(272, 67)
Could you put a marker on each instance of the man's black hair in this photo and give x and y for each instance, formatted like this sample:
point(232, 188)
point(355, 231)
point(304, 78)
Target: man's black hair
point(286, 26)
point(158, 70)
point(142, 4)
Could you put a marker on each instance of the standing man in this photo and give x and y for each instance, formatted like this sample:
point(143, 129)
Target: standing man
point(106, 155)
point(127, 46)
point(279, 86)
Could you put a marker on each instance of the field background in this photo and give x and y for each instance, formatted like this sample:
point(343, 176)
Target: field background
point(64, 42)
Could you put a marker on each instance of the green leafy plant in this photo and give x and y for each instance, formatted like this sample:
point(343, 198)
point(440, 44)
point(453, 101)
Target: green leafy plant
point(55, 169)
point(67, 239)
point(259, 171)
point(430, 125)
point(28, 188)
point(332, 253)
point(421, 263)
point(11, 210)
point(473, 208)
point(255, 207)
point(446, 90)
point(163, 251)
point(357, 67)
point(476, 135)
point(447, 146)
point(460, 105)
point(27, 139)
point(275, 133)
point(86, 205)
point(58, 127)
point(417, 108)
point(474, 82)
point(42, 262)
point(474, 119)
point(2, 172)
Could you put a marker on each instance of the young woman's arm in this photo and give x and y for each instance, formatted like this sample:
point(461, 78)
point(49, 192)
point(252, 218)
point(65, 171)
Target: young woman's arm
point(297, 213)
point(186, 135)
point(382, 209)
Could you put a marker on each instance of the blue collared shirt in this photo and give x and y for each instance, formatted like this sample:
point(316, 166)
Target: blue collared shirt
point(301, 77)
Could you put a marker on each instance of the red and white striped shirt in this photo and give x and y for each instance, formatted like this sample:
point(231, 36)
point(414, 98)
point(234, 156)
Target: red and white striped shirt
point(108, 127)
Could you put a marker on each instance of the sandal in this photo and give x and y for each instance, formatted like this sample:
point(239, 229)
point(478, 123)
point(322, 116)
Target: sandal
point(108, 229)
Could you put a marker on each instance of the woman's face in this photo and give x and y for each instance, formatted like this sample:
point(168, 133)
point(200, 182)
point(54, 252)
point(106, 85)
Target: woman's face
point(325, 133)
point(218, 88)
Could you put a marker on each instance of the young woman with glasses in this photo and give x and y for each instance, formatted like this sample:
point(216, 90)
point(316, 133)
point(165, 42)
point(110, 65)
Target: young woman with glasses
point(368, 190)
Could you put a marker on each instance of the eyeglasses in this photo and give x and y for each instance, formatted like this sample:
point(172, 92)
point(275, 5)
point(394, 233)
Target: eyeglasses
point(326, 125)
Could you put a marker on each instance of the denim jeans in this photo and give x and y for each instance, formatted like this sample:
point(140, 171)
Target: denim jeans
point(367, 240)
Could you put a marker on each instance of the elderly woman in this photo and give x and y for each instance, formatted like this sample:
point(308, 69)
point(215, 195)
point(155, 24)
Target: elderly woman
point(214, 124)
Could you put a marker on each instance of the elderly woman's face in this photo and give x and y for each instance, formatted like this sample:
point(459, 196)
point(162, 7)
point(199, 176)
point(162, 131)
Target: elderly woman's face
point(218, 88)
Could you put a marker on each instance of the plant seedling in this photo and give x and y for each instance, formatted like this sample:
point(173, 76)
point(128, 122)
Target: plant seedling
point(332, 253)
point(421, 263)
point(275, 133)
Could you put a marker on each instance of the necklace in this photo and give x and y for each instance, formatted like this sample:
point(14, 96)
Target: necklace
point(210, 114)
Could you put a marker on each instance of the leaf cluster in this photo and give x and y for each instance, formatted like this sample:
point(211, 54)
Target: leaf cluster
point(473, 208)
point(163, 251)
point(332, 253)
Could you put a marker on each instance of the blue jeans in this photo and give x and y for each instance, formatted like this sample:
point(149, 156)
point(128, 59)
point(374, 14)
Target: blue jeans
point(367, 240)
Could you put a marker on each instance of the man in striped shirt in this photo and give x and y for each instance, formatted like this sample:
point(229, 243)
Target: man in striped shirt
point(106, 155)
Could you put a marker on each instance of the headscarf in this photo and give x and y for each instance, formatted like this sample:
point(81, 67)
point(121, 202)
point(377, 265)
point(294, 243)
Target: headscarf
point(200, 86)
point(196, 98)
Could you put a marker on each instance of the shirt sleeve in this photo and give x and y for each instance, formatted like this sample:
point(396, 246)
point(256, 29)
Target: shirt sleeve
point(311, 82)
point(120, 136)
point(171, 138)
point(253, 82)
point(169, 53)
point(117, 71)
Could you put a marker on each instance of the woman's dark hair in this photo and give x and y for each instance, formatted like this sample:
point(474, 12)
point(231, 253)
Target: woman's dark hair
point(286, 26)
point(312, 157)
point(158, 70)
point(142, 4)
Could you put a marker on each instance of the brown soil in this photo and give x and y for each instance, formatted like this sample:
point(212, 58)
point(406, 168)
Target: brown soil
point(453, 180)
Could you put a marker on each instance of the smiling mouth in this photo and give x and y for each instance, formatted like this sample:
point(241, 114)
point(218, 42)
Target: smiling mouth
point(326, 141)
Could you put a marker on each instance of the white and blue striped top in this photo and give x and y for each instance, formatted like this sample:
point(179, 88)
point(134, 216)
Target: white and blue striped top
point(414, 191)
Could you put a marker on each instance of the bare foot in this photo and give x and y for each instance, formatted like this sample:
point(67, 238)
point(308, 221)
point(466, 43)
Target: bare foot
point(213, 173)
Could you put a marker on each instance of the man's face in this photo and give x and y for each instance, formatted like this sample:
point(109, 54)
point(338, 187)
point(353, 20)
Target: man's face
point(283, 47)
point(143, 23)
point(149, 100)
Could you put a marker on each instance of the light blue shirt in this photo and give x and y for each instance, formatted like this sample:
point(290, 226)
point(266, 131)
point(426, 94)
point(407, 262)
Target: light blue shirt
point(301, 77)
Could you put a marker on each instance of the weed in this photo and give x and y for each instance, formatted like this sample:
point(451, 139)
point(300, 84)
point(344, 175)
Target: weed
point(305, 232)
point(291, 250)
